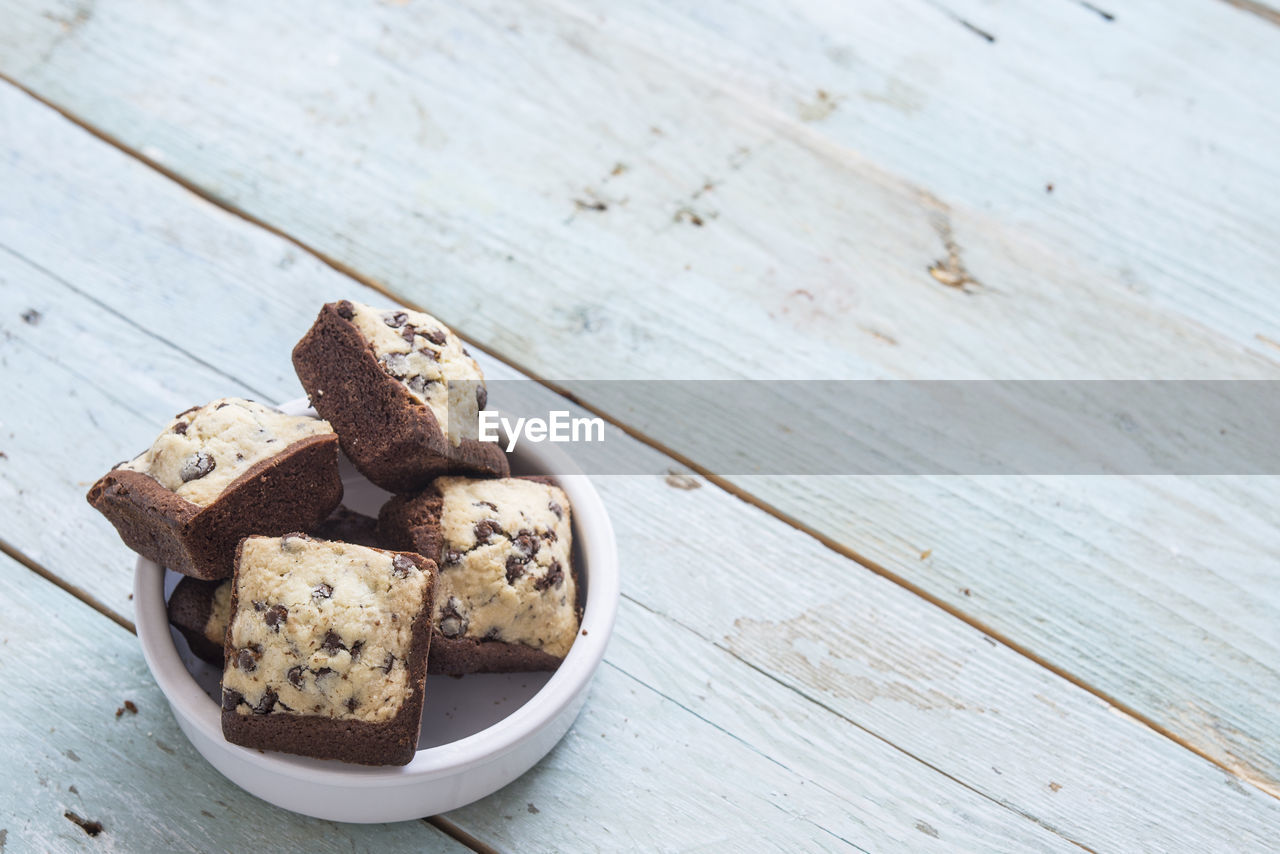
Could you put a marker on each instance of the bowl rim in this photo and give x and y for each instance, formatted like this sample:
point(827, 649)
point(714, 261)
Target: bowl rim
point(599, 549)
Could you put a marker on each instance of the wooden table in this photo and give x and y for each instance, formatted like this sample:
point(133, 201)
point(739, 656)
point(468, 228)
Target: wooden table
point(772, 189)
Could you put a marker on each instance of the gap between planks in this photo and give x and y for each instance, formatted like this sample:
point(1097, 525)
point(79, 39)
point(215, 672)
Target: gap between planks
point(721, 482)
point(1262, 10)
point(450, 829)
point(439, 823)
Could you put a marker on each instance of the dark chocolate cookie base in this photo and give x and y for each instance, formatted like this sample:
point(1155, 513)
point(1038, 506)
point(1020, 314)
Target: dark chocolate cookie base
point(348, 526)
point(459, 656)
point(390, 436)
point(360, 742)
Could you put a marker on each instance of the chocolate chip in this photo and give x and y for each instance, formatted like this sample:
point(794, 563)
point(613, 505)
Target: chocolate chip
point(485, 530)
point(197, 466)
point(332, 642)
point(292, 540)
point(435, 336)
point(482, 397)
point(408, 332)
point(553, 578)
point(452, 558)
point(296, 675)
point(418, 384)
point(452, 622)
point(186, 412)
point(31, 316)
point(356, 649)
point(492, 634)
point(526, 542)
point(324, 671)
point(489, 504)
point(324, 591)
point(259, 606)
point(515, 567)
point(389, 663)
point(396, 320)
point(396, 364)
point(429, 353)
point(247, 659)
point(550, 535)
point(267, 703)
point(402, 565)
point(276, 615)
point(345, 309)
point(231, 699)
point(554, 507)
point(351, 704)
point(181, 428)
point(130, 707)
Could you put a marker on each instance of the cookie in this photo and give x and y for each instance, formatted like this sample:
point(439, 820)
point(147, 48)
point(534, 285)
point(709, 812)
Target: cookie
point(218, 473)
point(507, 595)
point(326, 650)
point(400, 391)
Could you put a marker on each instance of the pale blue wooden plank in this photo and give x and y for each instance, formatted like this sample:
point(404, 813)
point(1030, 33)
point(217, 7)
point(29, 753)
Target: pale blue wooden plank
point(66, 670)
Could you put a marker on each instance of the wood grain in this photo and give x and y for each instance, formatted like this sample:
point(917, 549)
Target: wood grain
point(67, 669)
point(763, 192)
point(815, 703)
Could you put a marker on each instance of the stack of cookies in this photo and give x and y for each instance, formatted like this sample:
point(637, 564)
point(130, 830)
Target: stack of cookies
point(327, 622)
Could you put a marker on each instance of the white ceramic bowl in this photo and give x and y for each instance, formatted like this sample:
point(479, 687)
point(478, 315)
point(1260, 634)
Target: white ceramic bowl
point(478, 734)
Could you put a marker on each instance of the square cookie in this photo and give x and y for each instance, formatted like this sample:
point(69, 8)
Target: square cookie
point(218, 473)
point(400, 391)
point(326, 650)
point(507, 599)
point(200, 610)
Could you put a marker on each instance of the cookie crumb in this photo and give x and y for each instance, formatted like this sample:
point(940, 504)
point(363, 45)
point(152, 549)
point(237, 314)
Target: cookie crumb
point(93, 828)
point(679, 480)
